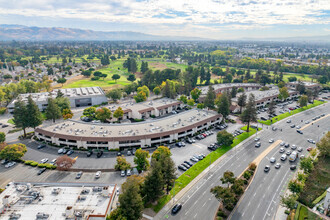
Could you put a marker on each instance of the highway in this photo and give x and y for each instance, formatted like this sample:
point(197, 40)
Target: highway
point(261, 199)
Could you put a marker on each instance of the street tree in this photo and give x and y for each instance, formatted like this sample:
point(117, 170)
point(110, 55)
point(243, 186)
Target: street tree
point(238, 187)
point(225, 195)
point(306, 164)
point(153, 185)
point(20, 113)
point(114, 94)
point(241, 101)
point(222, 104)
point(13, 151)
point(122, 163)
point(160, 152)
point(168, 171)
point(303, 100)
point(228, 177)
point(141, 159)
point(195, 93)
point(324, 145)
point(89, 112)
point(271, 108)
point(200, 105)
point(53, 111)
point(284, 94)
point(115, 77)
point(210, 97)
point(64, 162)
point(119, 113)
point(103, 114)
point(295, 187)
point(225, 138)
point(250, 113)
point(34, 116)
point(289, 201)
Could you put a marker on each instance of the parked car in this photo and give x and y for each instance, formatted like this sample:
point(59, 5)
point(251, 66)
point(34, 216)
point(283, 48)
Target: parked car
point(89, 153)
point(98, 174)
point(129, 153)
point(122, 173)
point(41, 146)
point(194, 159)
point(133, 151)
point(99, 154)
point(60, 151)
point(180, 167)
point(41, 171)
point(128, 172)
point(189, 141)
point(176, 208)
point(10, 164)
point(44, 160)
point(70, 152)
point(79, 174)
point(189, 163)
point(185, 165)
point(65, 150)
point(309, 148)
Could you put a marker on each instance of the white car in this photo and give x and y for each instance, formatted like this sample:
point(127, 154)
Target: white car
point(293, 147)
point(283, 157)
point(10, 164)
point(282, 143)
point(282, 150)
point(271, 140)
point(298, 127)
point(44, 160)
point(272, 160)
point(60, 151)
point(194, 159)
point(278, 166)
point(257, 139)
point(98, 174)
point(288, 121)
point(300, 149)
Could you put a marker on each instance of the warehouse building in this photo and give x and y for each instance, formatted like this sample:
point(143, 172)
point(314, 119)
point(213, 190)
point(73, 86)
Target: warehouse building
point(54, 201)
point(78, 97)
point(77, 134)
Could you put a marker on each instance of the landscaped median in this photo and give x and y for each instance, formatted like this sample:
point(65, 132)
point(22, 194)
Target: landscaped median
point(287, 114)
point(195, 170)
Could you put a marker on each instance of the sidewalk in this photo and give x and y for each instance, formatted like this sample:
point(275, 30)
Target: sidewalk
point(179, 195)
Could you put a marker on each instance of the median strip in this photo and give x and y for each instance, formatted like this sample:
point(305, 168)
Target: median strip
point(314, 122)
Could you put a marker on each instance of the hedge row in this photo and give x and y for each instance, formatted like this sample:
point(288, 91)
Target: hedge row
point(41, 165)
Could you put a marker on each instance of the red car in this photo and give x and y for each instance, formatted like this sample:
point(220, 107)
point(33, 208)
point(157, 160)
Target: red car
point(291, 108)
point(309, 149)
point(204, 135)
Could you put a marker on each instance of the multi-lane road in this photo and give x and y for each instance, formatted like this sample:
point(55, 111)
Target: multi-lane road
point(261, 199)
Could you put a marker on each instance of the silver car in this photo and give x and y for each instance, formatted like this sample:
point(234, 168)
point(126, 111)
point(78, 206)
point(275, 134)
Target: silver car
point(282, 150)
point(272, 160)
point(278, 166)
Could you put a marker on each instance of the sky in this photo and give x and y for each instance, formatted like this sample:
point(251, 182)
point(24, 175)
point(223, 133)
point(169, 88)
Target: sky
point(213, 19)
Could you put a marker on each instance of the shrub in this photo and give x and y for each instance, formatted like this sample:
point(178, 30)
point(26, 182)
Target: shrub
point(41, 165)
point(252, 166)
point(29, 162)
point(247, 175)
point(95, 78)
point(287, 212)
point(230, 206)
point(221, 213)
point(245, 182)
point(34, 164)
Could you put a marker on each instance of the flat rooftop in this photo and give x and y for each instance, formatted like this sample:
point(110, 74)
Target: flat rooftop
point(169, 123)
point(304, 82)
point(84, 92)
point(259, 95)
point(28, 200)
point(227, 85)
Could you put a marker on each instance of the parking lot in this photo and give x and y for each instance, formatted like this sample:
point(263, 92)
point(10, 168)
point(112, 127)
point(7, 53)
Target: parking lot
point(280, 108)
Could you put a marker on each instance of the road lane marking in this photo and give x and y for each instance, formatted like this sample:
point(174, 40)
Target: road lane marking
point(204, 204)
point(314, 122)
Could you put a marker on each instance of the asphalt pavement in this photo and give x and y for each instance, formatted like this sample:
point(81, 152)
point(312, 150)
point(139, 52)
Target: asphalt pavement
point(264, 191)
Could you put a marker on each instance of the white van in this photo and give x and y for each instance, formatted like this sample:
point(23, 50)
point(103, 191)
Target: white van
point(293, 156)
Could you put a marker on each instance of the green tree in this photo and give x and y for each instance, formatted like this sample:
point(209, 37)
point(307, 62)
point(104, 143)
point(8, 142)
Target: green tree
point(133, 65)
point(195, 93)
point(161, 151)
point(89, 112)
point(241, 102)
point(34, 116)
point(222, 104)
point(284, 94)
point(63, 103)
point(114, 94)
point(271, 108)
point(13, 151)
point(233, 92)
point(210, 97)
point(140, 97)
point(20, 113)
point(103, 114)
point(2, 137)
point(200, 105)
point(61, 80)
point(191, 102)
point(306, 164)
point(141, 159)
point(144, 67)
point(131, 77)
point(115, 77)
point(153, 184)
point(225, 138)
point(122, 163)
point(118, 113)
point(144, 89)
point(237, 187)
point(289, 201)
point(303, 100)
point(250, 113)
point(228, 177)
point(281, 84)
point(131, 203)
point(183, 99)
point(116, 214)
point(53, 111)
point(225, 195)
point(295, 187)
point(157, 90)
point(300, 87)
point(240, 89)
point(168, 170)
point(324, 145)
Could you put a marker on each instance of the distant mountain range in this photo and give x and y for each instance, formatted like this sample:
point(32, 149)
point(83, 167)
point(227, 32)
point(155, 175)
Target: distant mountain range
point(19, 32)
point(318, 39)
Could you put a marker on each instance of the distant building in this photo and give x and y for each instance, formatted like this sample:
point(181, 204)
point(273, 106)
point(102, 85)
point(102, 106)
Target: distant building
point(326, 204)
point(78, 97)
point(54, 201)
point(308, 85)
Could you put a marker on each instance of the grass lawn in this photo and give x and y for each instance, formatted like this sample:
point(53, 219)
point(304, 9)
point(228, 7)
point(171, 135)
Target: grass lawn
point(317, 182)
point(11, 121)
point(195, 170)
point(287, 114)
point(303, 213)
